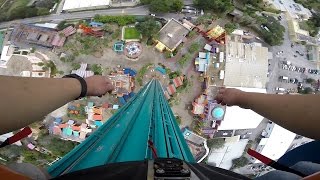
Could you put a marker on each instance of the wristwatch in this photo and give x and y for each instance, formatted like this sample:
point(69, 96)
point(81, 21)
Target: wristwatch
point(82, 82)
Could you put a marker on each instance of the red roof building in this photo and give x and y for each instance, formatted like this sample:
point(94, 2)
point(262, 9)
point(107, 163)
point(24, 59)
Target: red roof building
point(76, 128)
point(97, 117)
point(178, 81)
point(171, 89)
point(61, 126)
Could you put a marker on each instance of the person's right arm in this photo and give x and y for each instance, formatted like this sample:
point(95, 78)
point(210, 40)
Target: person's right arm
point(297, 113)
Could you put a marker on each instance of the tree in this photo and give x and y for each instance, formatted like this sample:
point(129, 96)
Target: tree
point(192, 34)
point(310, 80)
point(160, 6)
point(230, 27)
point(62, 25)
point(216, 6)
point(75, 66)
point(239, 162)
point(97, 69)
point(194, 47)
point(215, 143)
point(148, 28)
point(40, 64)
point(43, 11)
point(275, 33)
point(176, 5)
point(185, 58)
point(307, 90)
point(108, 29)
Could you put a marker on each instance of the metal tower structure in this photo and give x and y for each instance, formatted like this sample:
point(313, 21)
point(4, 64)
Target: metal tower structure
point(144, 128)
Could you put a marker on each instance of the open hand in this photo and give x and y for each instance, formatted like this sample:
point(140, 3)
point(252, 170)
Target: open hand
point(98, 85)
point(229, 96)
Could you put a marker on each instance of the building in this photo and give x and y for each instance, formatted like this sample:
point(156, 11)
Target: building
point(80, 5)
point(246, 64)
point(291, 8)
point(124, 83)
point(276, 141)
point(246, 69)
point(202, 62)
point(313, 53)
point(171, 35)
point(82, 72)
point(30, 34)
point(197, 145)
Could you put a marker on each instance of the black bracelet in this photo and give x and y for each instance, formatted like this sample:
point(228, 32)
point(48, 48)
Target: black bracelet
point(82, 82)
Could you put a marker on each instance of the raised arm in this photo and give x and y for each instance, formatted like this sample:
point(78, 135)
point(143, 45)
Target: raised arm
point(27, 100)
point(297, 113)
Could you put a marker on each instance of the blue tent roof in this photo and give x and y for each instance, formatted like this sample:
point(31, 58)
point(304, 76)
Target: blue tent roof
point(58, 120)
point(98, 123)
point(161, 70)
point(126, 98)
point(122, 101)
point(132, 94)
point(96, 24)
point(130, 71)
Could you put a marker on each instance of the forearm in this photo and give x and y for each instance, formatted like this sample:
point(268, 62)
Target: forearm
point(26, 100)
point(298, 113)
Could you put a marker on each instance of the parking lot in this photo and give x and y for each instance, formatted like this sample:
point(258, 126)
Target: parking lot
point(296, 55)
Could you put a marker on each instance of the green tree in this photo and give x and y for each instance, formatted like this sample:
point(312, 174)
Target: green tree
point(176, 5)
point(62, 25)
point(97, 69)
point(194, 47)
point(307, 90)
point(230, 27)
point(178, 118)
point(310, 80)
point(215, 6)
point(160, 6)
point(215, 143)
point(274, 36)
point(145, 1)
point(40, 64)
point(185, 58)
point(43, 11)
point(75, 66)
point(148, 28)
point(192, 34)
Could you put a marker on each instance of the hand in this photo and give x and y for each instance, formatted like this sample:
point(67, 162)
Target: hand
point(98, 85)
point(229, 96)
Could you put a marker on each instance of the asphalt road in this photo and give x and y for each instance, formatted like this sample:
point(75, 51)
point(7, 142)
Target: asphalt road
point(139, 10)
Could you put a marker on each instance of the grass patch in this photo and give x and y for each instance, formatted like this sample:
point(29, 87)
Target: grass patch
point(131, 33)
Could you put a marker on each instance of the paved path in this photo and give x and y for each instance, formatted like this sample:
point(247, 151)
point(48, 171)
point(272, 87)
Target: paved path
point(139, 10)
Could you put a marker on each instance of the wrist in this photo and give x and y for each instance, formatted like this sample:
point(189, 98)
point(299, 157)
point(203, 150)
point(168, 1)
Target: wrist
point(242, 99)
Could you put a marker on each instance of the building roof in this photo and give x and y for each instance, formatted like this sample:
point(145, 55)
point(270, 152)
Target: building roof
point(76, 128)
point(172, 34)
point(97, 110)
point(97, 117)
point(63, 126)
point(215, 32)
point(238, 118)
point(31, 34)
point(192, 137)
point(171, 89)
point(78, 4)
point(47, 25)
point(279, 138)
point(178, 81)
point(246, 65)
